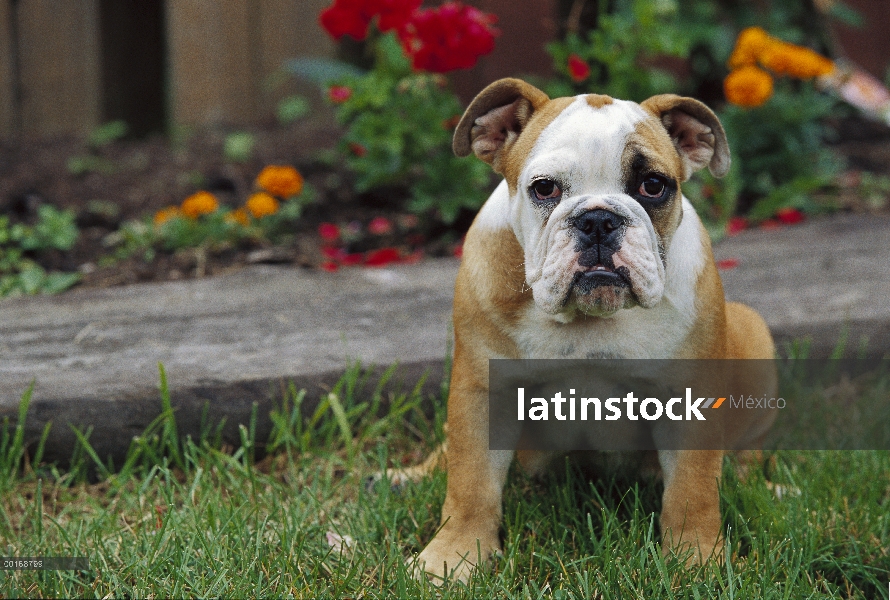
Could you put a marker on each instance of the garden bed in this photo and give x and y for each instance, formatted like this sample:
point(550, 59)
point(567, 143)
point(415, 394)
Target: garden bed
point(122, 181)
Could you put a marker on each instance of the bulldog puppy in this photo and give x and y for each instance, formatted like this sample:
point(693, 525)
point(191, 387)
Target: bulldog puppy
point(587, 249)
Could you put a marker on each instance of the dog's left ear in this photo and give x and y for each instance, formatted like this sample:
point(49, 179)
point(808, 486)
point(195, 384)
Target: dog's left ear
point(494, 120)
point(695, 131)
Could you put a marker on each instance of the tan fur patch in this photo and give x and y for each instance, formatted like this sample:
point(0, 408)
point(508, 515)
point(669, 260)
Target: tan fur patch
point(598, 100)
point(492, 280)
point(518, 153)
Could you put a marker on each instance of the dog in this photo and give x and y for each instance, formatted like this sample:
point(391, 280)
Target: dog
point(586, 249)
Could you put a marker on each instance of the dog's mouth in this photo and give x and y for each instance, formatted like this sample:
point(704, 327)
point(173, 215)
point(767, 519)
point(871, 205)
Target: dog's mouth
point(600, 283)
point(600, 275)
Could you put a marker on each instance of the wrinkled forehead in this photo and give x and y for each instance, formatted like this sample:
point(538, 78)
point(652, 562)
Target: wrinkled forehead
point(594, 141)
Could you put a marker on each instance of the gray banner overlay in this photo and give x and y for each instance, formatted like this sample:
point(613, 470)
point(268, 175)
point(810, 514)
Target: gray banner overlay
point(621, 405)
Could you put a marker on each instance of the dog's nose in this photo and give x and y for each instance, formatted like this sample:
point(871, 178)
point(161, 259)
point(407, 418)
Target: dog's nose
point(598, 225)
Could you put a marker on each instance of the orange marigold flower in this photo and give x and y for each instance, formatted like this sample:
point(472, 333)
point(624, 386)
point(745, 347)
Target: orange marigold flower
point(796, 61)
point(748, 86)
point(262, 204)
point(165, 214)
point(281, 181)
point(749, 46)
point(238, 216)
point(200, 203)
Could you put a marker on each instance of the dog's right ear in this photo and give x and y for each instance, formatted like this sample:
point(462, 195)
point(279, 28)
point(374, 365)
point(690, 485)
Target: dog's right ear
point(495, 118)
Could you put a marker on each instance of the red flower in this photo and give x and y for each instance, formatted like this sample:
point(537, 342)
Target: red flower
point(357, 149)
point(458, 251)
point(447, 38)
point(328, 232)
point(394, 14)
point(789, 216)
point(384, 256)
point(338, 94)
point(346, 17)
point(578, 69)
point(355, 258)
point(332, 253)
point(380, 226)
point(736, 225)
point(352, 17)
point(727, 263)
point(330, 267)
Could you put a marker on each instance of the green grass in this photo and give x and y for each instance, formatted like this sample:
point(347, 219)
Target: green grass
point(188, 518)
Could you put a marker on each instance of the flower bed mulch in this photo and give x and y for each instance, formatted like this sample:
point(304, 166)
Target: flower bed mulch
point(138, 178)
point(132, 179)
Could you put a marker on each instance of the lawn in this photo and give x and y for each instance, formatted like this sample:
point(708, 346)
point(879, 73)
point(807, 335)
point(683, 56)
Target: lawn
point(194, 518)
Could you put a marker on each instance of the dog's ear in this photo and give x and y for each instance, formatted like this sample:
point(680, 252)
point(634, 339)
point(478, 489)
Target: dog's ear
point(495, 118)
point(695, 131)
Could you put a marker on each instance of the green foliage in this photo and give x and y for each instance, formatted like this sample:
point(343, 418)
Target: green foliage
point(292, 109)
point(622, 48)
point(213, 232)
point(238, 146)
point(99, 138)
point(779, 153)
point(19, 243)
point(107, 133)
point(780, 150)
point(874, 190)
point(183, 518)
point(398, 134)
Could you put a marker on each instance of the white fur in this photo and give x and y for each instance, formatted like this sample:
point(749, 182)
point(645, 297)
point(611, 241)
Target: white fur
point(495, 213)
point(583, 147)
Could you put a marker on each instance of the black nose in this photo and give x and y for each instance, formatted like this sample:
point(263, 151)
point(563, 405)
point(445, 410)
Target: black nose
point(598, 226)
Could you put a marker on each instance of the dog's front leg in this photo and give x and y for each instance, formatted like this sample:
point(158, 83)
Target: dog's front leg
point(471, 515)
point(690, 515)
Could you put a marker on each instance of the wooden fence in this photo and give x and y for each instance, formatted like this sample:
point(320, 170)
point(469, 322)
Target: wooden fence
point(69, 65)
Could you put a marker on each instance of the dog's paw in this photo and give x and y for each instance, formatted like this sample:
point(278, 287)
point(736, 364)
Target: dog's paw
point(397, 479)
point(446, 558)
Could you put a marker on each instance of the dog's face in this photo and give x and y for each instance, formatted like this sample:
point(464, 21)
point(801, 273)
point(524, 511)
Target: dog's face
point(594, 187)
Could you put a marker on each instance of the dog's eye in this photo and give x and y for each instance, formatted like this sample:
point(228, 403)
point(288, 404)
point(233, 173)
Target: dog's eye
point(546, 189)
point(653, 187)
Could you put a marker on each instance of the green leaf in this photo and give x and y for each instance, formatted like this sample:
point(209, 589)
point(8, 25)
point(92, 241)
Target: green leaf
point(238, 146)
point(322, 71)
point(292, 109)
point(107, 133)
point(31, 278)
point(59, 282)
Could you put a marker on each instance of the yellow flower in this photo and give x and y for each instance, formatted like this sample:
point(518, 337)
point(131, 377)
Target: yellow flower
point(165, 214)
point(749, 46)
point(262, 204)
point(238, 216)
point(748, 86)
point(754, 45)
point(281, 181)
point(198, 204)
point(796, 61)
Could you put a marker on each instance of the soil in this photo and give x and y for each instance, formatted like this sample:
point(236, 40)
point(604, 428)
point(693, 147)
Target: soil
point(130, 179)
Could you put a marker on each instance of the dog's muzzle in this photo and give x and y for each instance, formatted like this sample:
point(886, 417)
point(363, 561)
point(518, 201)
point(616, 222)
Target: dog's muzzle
point(598, 235)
